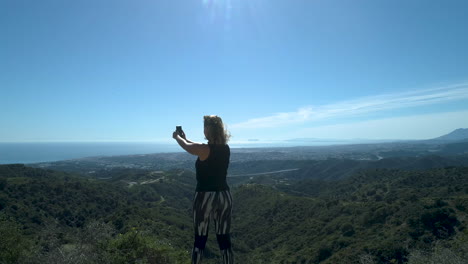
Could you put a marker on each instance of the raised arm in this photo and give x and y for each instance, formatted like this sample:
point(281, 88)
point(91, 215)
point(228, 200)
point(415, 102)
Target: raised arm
point(189, 141)
point(186, 139)
point(198, 149)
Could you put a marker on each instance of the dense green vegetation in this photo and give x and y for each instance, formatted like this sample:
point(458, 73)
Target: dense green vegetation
point(382, 213)
point(142, 216)
point(52, 211)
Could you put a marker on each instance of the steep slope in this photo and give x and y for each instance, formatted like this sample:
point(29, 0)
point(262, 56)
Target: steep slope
point(457, 134)
point(380, 213)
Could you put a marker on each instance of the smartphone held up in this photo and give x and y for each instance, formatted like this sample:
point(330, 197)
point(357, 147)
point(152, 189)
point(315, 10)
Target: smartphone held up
point(179, 131)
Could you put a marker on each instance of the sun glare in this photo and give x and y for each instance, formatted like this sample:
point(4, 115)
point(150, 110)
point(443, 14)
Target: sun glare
point(219, 9)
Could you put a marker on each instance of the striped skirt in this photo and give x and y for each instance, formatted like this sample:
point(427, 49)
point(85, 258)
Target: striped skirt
point(215, 205)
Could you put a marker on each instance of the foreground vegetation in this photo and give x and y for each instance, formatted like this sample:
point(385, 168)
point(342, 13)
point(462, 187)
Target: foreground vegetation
point(140, 216)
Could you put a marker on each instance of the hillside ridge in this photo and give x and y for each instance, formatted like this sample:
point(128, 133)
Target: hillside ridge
point(457, 134)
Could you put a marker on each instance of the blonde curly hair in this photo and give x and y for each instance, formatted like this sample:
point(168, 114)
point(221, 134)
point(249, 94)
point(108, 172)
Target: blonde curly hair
point(215, 131)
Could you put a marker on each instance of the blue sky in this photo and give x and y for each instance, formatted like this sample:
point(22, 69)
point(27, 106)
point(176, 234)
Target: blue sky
point(273, 70)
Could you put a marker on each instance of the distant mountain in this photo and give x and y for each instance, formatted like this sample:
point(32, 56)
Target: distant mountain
point(457, 134)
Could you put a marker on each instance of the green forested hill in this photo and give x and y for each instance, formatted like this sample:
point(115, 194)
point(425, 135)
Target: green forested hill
point(55, 212)
point(138, 216)
point(331, 169)
point(384, 214)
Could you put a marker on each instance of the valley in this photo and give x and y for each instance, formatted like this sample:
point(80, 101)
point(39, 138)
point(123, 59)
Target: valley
point(291, 205)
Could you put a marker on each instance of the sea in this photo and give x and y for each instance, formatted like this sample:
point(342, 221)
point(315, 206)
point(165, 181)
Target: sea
point(36, 152)
point(55, 151)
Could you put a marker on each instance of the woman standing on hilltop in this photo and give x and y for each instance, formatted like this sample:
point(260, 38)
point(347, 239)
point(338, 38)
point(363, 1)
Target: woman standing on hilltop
point(212, 197)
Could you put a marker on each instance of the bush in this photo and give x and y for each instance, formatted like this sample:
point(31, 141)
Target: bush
point(13, 244)
point(347, 230)
point(137, 247)
point(440, 255)
point(440, 222)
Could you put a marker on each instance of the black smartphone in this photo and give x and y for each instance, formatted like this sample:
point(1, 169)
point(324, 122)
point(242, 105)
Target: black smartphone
point(179, 130)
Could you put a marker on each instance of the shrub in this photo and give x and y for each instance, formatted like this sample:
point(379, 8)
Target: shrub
point(440, 222)
point(12, 242)
point(137, 247)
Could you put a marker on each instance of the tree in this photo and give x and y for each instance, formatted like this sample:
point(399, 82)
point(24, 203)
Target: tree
point(13, 244)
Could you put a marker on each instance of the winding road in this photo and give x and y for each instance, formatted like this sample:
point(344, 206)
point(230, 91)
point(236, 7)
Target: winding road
point(263, 173)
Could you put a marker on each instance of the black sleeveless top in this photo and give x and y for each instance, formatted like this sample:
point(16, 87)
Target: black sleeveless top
point(212, 172)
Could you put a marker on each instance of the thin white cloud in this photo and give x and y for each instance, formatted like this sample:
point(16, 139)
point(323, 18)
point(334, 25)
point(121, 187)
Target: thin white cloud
point(360, 106)
point(425, 126)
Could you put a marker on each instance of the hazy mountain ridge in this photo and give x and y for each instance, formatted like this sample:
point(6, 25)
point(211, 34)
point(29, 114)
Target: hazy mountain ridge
point(458, 134)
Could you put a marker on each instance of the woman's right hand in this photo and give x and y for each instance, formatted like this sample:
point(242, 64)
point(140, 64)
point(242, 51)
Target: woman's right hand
point(182, 134)
point(175, 134)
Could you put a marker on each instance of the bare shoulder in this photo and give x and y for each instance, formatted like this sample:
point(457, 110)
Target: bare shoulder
point(202, 146)
point(198, 149)
point(204, 152)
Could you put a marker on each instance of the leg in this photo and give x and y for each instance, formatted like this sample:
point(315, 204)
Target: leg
point(224, 242)
point(222, 218)
point(202, 207)
point(198, 248)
